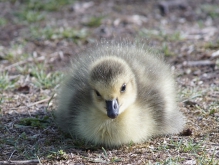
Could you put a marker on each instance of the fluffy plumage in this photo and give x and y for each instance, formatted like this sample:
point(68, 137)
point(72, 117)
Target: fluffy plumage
point(117, 93)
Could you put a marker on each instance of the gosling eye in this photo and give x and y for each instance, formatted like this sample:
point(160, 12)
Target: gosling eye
point(123, 88)
point(97, 93)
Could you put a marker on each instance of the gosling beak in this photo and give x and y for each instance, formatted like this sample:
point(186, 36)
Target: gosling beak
point(112, 107)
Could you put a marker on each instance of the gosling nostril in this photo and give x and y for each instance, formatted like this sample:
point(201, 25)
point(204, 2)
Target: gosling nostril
point(115, 104)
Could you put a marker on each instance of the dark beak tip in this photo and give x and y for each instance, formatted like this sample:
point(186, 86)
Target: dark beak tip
point(112, 116)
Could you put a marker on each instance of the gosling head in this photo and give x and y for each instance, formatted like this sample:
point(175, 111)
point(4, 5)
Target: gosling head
point(113, 86)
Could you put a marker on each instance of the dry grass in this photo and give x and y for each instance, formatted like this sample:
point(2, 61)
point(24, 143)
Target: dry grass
point(37, 40)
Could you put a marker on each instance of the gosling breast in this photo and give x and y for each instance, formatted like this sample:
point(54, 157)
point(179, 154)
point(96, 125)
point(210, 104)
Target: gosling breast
point(117, 93)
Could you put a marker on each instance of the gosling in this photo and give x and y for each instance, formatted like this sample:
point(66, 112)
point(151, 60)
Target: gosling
point(118, 93)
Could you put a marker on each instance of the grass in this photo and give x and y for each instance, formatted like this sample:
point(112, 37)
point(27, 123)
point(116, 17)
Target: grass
point(211, 10)
point(30, 16)
point(170, 161)
point(51, 33)
point(59, 155)
point(40, 77)
point(14, 53)
point(161, 35)
point(166, 51)
point(189, 146)
point(45, 80)
point(212, 45)
point(33, 11)
point(3, 21)
point(5, 81)
point(34, 122)
point(48, 5)
point(94, 22)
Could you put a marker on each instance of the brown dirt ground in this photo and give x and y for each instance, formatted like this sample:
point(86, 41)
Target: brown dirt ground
point(197, 81)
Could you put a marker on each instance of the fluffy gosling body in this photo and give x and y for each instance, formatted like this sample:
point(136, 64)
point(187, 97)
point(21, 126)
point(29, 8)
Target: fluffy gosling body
point(118, 93)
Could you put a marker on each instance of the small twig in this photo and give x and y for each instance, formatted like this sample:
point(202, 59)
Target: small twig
point(210, 76)
point(198, 63)
point(193, 97)
point(50, 99)
point(38, 102)
point(22, 62)
point(17, 64)
point(31, 104)
point(39, 160)
point(215, 54)
point(214, 144)
point(165, 6)
point(11, 155)
point(19, 162)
